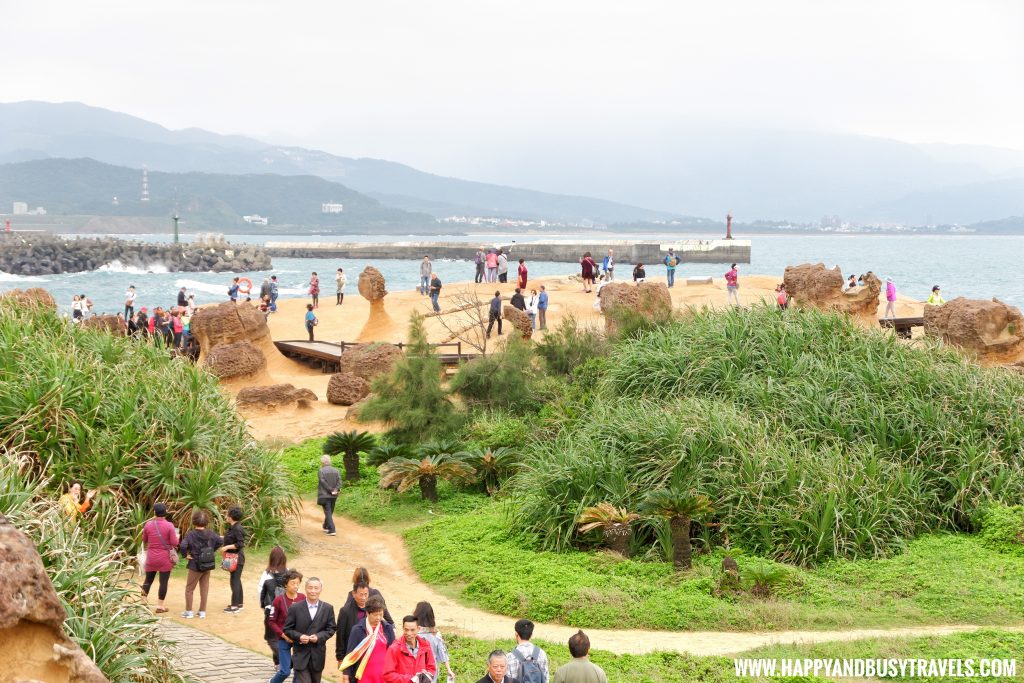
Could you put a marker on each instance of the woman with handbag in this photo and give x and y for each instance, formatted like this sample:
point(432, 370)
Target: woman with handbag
point(234, 557)
point(159, 539)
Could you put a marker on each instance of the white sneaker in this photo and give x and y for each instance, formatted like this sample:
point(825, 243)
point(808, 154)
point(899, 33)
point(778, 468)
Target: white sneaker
point(189, 615)
point(202, 615)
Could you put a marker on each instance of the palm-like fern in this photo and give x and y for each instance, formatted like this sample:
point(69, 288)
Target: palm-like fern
point(679, 507)
point(407, 472)
point(350, 444)
point(493, 465)
point(615, 523)
point(383, 452)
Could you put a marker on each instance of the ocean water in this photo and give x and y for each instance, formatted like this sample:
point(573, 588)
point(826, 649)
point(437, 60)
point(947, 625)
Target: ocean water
point(963, 265)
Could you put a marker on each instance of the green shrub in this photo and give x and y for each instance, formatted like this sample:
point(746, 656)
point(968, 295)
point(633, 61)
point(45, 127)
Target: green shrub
point(128, 420)
point(496, 428)
point(814, 438)
point(1002, 528)
point(569, 345)
point(500, 380)
point(302, 462)
point(411, 399)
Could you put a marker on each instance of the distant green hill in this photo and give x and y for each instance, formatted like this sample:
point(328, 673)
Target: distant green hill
point(211, 201)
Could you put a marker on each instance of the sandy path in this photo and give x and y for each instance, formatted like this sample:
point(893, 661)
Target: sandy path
point(333, 559)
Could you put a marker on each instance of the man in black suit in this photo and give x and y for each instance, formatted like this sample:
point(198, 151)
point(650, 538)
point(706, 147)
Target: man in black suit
point(310, 624)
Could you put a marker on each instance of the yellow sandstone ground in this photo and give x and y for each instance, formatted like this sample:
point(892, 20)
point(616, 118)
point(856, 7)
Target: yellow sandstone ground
point(352, 321)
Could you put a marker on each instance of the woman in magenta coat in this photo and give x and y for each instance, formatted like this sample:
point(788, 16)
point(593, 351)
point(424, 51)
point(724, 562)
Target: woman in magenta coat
point(158, 538)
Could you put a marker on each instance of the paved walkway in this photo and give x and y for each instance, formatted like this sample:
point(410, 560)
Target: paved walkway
point(209, 659)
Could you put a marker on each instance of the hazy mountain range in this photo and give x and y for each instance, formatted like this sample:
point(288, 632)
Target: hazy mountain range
point(653, 176)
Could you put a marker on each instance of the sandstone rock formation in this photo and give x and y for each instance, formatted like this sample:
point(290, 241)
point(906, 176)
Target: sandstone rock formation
point(228, 323)
point(990, 330)
point(106, 323)
point(371, 284)
point(814, 286)
point(229, 361)
point(520, 321)
point(274, 396)
point(345, 389)
point(369, 360)
point(33, 296)
point(651, 299)
point(31, 619)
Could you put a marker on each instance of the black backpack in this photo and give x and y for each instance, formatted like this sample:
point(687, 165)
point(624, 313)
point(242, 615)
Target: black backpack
point(271, 589)
point(207, 559)
point(531, 670)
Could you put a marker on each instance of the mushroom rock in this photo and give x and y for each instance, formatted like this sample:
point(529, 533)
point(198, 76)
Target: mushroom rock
point(31, 297)
point(230, 361)
point(369, 360)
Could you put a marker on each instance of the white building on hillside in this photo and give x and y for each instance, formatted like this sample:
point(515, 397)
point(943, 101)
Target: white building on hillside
point(256, 219)
point(20, 208)
point(332, 207)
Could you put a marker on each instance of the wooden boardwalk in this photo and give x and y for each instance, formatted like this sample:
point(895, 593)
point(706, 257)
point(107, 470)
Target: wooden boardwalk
point(327, 355)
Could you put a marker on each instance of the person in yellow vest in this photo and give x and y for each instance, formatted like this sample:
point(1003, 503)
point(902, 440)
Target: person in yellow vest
point(71, 502)
point(936, 298)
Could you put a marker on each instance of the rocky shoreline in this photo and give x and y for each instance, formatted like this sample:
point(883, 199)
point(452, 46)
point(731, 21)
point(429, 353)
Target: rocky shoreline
point(40, 254)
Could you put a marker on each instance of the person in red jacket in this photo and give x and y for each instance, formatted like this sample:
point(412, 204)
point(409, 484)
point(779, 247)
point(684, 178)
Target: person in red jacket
point(409, 656)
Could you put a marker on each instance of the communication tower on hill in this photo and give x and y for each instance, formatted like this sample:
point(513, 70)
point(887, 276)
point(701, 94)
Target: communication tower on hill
point(145, 184)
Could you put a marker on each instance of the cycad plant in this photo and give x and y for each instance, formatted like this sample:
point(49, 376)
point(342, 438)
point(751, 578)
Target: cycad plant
point(350, 444)
point(492, 465)
point(764, 579)
point(679, 507)
point(383, 452)
point(436, 461)
point(615, 523)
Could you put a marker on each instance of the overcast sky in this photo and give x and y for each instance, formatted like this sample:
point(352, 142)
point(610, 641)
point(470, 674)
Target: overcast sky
point(441, 83)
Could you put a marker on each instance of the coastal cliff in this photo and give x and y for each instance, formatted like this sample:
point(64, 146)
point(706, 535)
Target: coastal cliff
point(39, 254)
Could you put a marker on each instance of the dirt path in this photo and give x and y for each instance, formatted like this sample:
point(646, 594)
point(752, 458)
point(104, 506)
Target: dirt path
point(333, 559)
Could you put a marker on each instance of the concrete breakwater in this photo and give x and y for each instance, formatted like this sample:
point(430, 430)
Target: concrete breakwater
point(690, 251)
point(41, 254)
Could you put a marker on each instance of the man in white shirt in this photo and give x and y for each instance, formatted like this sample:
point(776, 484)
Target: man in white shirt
point(527, 662)
point(129, 302)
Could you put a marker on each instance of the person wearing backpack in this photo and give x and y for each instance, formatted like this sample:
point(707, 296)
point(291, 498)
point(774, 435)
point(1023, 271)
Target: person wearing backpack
point(271, 585)
point(200, 549)
point(160, 540)
point(527, 663)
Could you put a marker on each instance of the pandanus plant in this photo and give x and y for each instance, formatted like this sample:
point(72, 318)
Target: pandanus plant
point(680, 508)
point(615, 523)
point(350, 444)
point(436, 461)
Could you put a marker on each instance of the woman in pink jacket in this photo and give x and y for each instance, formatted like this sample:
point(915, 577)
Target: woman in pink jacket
point(890, 298)
point(158, 538)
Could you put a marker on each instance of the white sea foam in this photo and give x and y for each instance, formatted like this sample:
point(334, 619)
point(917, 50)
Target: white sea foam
point(116, 266)
point(11, 277)
point(197, 286)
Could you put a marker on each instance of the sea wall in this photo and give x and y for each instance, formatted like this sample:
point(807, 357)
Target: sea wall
point(690, 251)
point(42, 254)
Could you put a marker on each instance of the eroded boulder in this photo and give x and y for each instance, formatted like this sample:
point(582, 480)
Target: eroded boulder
point(369, 360)
point(241, 359)
point(274, 396)
point(110, 324)
point(651, 299)
point(32, 618)
point(371, 284)
point(345, 389)
point(991, 330)
point(815, 286)
point(228, 323)
point(518, 319)
point(31, 297)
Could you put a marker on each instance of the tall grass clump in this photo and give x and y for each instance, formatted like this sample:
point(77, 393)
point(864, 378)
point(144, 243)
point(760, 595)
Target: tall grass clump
point(92, 577)
point(811, 438)
point(569, 345)
point(135, 424)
